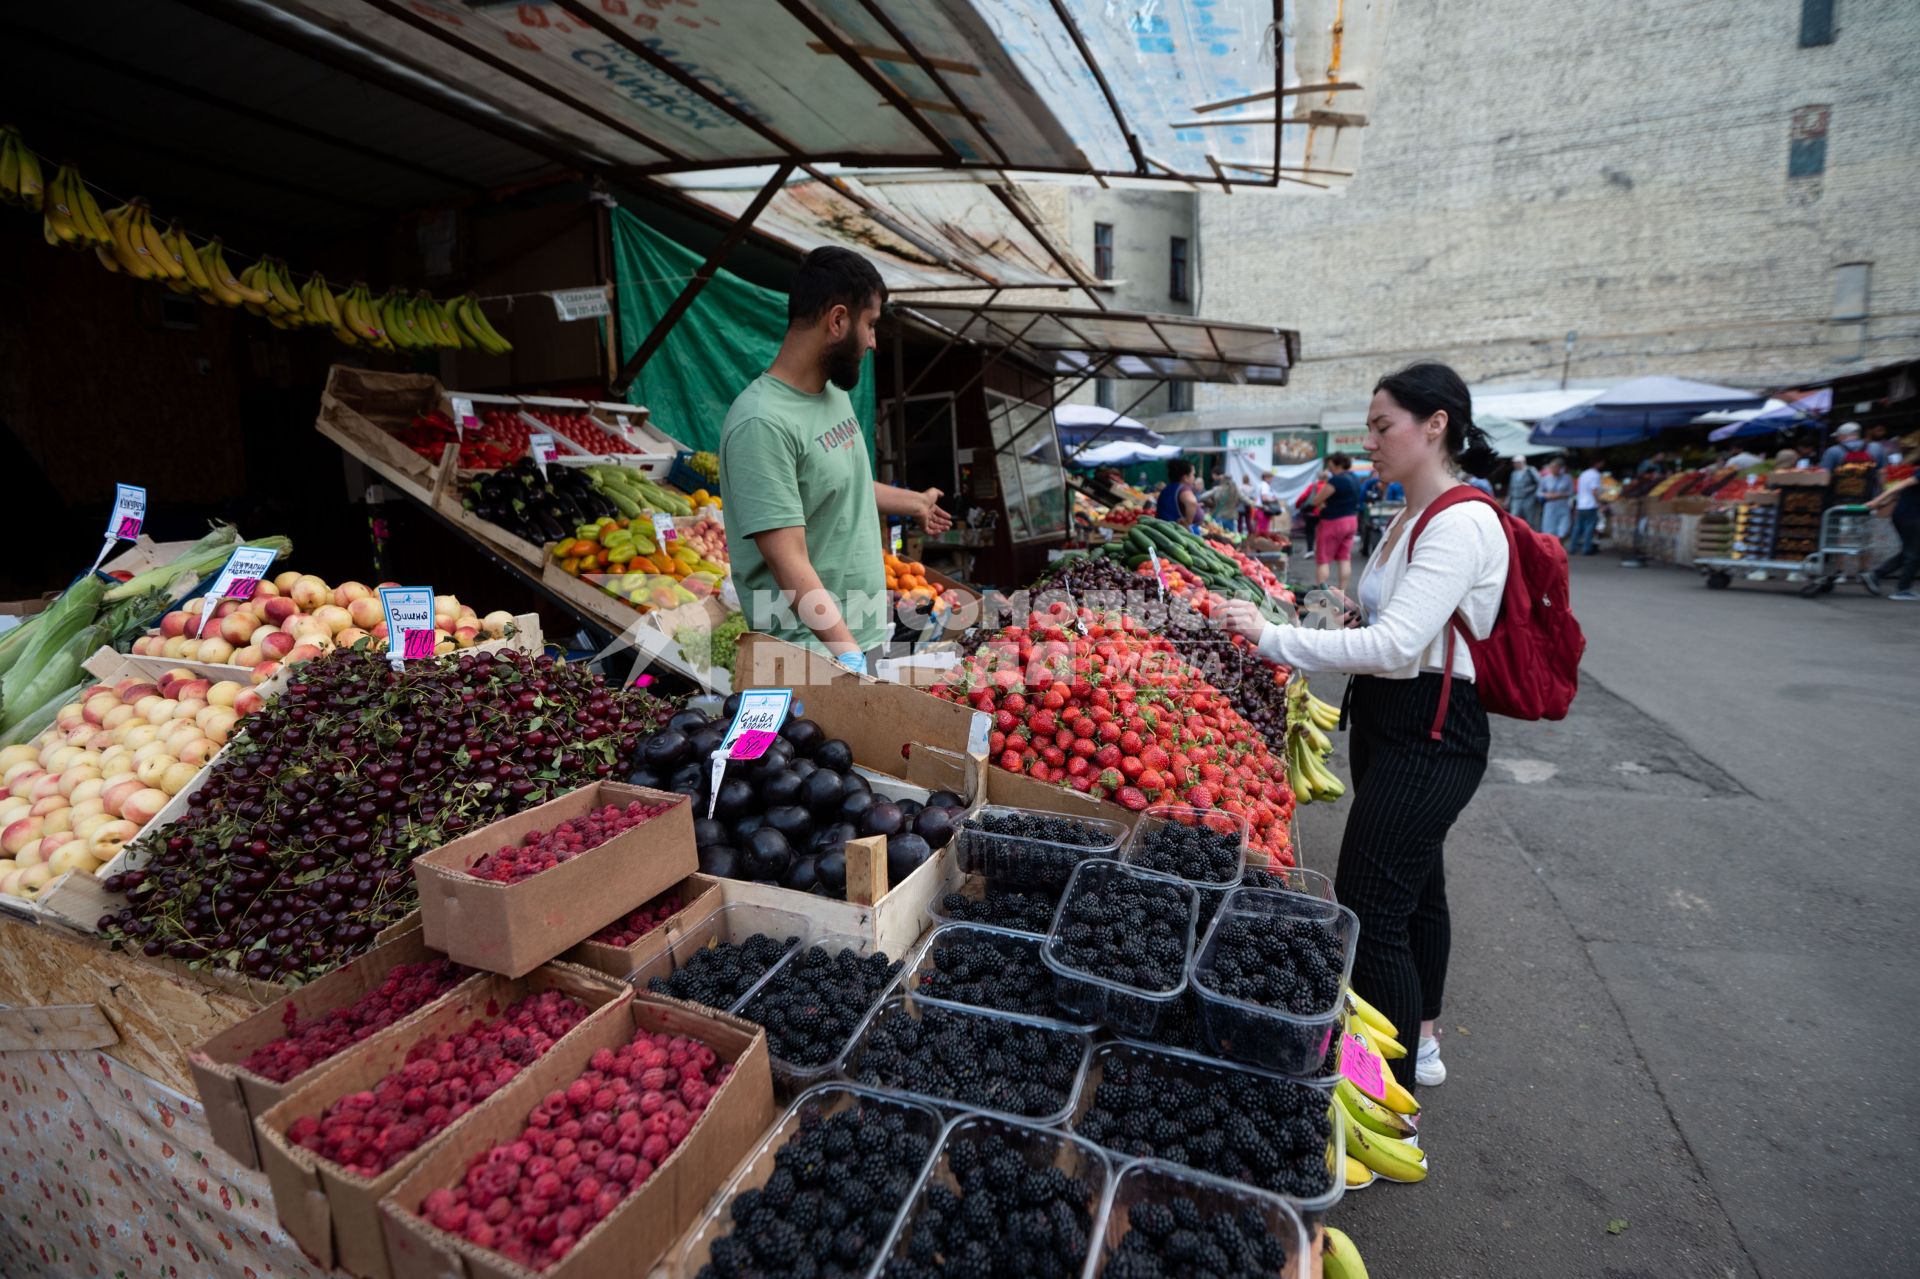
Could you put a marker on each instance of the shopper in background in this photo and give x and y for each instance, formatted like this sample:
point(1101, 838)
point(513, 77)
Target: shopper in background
point(1222, 501)
point(1266, 504)
point(1177, 503)
point(1341, 503)
point(1308, 505)
point(1523, 493)
point(1658, 464)
point(803, 509)
point(1556, 499)
point(1586, 510)
point(1847, 449)
point(1408, 787)
point(1904, 498)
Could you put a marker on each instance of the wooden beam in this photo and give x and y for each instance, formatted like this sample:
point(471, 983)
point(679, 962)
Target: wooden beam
point(1065, 17)
point(1012, 200)
point(874, 53)
point(55, 1028)
point(1268, 95)
point(825, 33)
point(931, 68)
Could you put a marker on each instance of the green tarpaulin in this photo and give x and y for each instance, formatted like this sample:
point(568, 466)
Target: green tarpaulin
point(725, 340)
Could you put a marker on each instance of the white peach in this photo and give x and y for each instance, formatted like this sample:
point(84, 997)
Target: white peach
point(106, 840)
point(310, 593)
point(145, 805)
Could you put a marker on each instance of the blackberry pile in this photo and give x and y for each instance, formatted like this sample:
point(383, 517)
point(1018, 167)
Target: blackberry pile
point(972, 1059)
point(1004, 973)
point(1175, 1239)
point(1029, 911)
point(1267, 1132)
point(719, 974)
point(1191, 852)
point(1129, 929)
point(813, 1005)
point(1009, 1220)
point(1276, 962)
point(828, 1204)
point(1023, 856)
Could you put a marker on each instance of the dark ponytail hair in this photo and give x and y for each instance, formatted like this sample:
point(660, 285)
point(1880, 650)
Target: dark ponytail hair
point(1427, 388)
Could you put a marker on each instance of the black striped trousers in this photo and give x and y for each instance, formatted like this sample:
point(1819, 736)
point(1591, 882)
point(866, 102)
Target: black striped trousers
point(1407, 791)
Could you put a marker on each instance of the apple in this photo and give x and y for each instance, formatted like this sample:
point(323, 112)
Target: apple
point(310, 593)
point(106, 840)
point(264, 672)
point(144, 805)
point(333, 617)
point(278, 609)
point(237, 629)
point(347, 592)
point(497, 623)
point(365, 611)
point(20, 833)
point(247, 703)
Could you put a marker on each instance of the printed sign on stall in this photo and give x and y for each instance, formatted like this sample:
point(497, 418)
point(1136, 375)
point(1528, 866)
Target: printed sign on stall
point(463, 415)
point(579, 304)
point(238, 578)
point(409, 614)
point(756, 723)
point(123, 524)
point(664, 531)
point(540, 449)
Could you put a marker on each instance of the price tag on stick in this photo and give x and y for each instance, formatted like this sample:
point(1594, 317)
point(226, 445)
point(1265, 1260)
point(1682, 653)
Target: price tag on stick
point(409, 614)
point(1159, 577)
point(756, 723)
point(540, 449)
point(123, 525)
point(664, 531)
point(463, 414)
point(238, 576)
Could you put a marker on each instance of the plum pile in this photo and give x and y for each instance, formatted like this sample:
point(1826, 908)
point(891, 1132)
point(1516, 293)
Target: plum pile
point(1016, 1214)
point(295, 852)
point(786, 817)
point(407, 987)
point(544, 849)
point(444, 1077)
point(585, 1148)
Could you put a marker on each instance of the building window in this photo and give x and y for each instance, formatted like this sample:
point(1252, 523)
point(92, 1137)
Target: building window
point(1177, 279)
point(1851, 288)
point(1103, 392)
point(1103, 250)
point(1179, 397)
point(1816, 23)
point(1807, 145)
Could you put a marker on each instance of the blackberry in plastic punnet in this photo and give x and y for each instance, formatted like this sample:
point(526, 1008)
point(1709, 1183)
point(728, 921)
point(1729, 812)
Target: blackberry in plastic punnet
point(812, 1006)
point(1029, 850)
point(1008, 1220)
point(719, 974)
point(972, 1058)
point(1257, 1129)
point(1191, 852)
point(1027, 910)
point(1127, 929)
point(1277, 962)
point(1175, 1239)
point(1003, 973)
point(829, 1203)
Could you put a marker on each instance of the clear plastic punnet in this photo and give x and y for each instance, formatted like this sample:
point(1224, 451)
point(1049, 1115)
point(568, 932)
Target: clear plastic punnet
point(793, 1077)
point(975, 889)
point(1096, 999)
point(1039, 1147)
point(1154, 1181)
point(732, 924)
point(1271, 1038)
point(1146, 844)
point(896, 1007)
point(927, 960)
point(1018, 861)
point(811, 1106)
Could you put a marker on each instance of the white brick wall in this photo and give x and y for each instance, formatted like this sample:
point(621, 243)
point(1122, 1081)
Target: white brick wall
point(1617, 168)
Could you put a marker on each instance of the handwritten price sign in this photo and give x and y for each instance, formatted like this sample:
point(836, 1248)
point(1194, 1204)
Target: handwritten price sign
point(1363, 1066)
point(540, 449)
point(755, 726)
point(238, 578)
point(123, 525)
point(409, 614)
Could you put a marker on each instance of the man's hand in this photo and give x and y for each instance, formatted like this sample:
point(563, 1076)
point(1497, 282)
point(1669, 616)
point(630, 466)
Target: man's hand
point(931, 516)
point(1240, 617)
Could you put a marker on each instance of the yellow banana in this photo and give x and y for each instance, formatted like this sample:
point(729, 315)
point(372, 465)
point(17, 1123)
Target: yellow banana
point(276, 283)
point(1386, 1045)
point(28, 186)
point(195, 275)
point(93, 223)
point(1358, 1175)
point(225, 282)
point(329, 301)
point(315, 308)
point(474, 319)
point(10, 148)
point(60, 223)
point(104, 253)
point(1398, 1099)
point(1394, 1160)
point(1374, 1018)
point(156, 245)
point(131, 255)
point(1370, 1114)
point(1339, 1259)
point(1317, 741)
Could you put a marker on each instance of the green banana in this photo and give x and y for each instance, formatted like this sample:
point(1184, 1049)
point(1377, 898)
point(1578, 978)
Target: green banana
point(1370, 1114)
point(1339, 1259)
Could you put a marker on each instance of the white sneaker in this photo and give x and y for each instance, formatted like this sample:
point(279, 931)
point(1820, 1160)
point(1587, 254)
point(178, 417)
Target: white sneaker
point(1428, 1070)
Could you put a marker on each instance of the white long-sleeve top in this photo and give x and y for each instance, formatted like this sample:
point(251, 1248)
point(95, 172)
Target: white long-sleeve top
point(1460, 564)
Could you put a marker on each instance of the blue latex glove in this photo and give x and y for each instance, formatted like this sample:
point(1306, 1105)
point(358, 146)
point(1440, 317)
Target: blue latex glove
point(856, 661)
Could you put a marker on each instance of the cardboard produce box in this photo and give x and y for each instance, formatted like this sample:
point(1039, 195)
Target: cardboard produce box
point(232, 1095)
point(638, 1233)
point(334, 1214)
point(699, 897)
point(514, 928)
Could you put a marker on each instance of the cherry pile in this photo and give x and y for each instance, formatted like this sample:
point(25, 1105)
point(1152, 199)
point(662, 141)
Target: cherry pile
point(543, 850)
point(295, 852)
point(407, 987)
point(443, 1078)
point(625, 932)
point(585, 1149)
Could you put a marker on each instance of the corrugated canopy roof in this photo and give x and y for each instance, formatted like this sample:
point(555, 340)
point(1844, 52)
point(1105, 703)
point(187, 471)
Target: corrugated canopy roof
point(1068, 86)
point(1065, 342)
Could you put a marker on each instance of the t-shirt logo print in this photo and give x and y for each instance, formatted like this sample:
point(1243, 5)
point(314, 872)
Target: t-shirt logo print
point(840, 436)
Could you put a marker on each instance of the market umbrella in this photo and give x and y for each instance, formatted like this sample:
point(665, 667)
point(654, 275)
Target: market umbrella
point(1636, 411)
point(1509, 438)
point(1779, 416)
point(1123, 453)
point(1078, 423)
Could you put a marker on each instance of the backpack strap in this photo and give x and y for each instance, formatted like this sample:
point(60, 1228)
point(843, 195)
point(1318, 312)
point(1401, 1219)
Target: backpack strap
point(1455, 625)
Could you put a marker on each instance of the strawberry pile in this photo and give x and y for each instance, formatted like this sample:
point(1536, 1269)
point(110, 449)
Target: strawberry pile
point(1098, 702)
point(407, 987)
point(543, 850)
point(625, 932)
point(444, 1077)
point(585, 1149)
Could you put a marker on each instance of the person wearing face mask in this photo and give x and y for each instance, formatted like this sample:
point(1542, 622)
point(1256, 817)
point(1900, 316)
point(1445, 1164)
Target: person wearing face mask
point(1411, 778)
point(803, 509)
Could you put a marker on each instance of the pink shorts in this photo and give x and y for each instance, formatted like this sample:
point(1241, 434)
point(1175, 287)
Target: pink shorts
point(1333, 539)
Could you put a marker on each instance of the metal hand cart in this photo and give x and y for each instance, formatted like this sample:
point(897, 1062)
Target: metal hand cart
point(1374, 519)
point(1844, 531)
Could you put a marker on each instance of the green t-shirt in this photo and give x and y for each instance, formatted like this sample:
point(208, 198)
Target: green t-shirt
point(788, 458)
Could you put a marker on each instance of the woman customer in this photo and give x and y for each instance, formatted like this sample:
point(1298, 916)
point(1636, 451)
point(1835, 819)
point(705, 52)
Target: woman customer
point(1342, 501)
point(1408, 788)
point(1556, 500)
point(1177, 503)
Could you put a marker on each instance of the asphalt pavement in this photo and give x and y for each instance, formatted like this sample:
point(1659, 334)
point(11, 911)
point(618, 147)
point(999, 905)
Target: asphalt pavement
point(1683, 995)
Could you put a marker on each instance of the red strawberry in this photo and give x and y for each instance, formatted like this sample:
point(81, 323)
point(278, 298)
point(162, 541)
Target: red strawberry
point(1155, 756)
point(1084, 727)
point(1110, 778)
point(996, 742)
point(1130, 742)
point(1130, 767)
point(1004, 721)
point(1054, 756)
point(1131, 798)
point(1083, 747)
point(1107, 756)
point(1010, 760)
point(1042, 723)
point(1150, 779)
point(1078, 767)
point(1200, 796)
point(1109, 731)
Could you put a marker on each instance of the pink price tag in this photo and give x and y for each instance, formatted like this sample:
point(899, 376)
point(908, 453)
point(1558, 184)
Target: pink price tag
point(241, 588)
point(129, 528)
point(751, 744)
point(417, 644)
point(1364, 1067)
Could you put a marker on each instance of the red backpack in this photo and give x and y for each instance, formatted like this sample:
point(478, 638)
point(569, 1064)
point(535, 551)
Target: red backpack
point(1528, 666)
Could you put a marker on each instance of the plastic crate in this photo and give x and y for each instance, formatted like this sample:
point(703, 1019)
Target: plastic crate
point(897, 1006)
point(732, 923)
point(1205, 1075)
point(685, 478)
point(1098, 1000)
point(1154, 1181)
point(795, 1077)
point(1012, 861)
point(1158, 817)
point(1271, 1038)
point(820, 1102)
